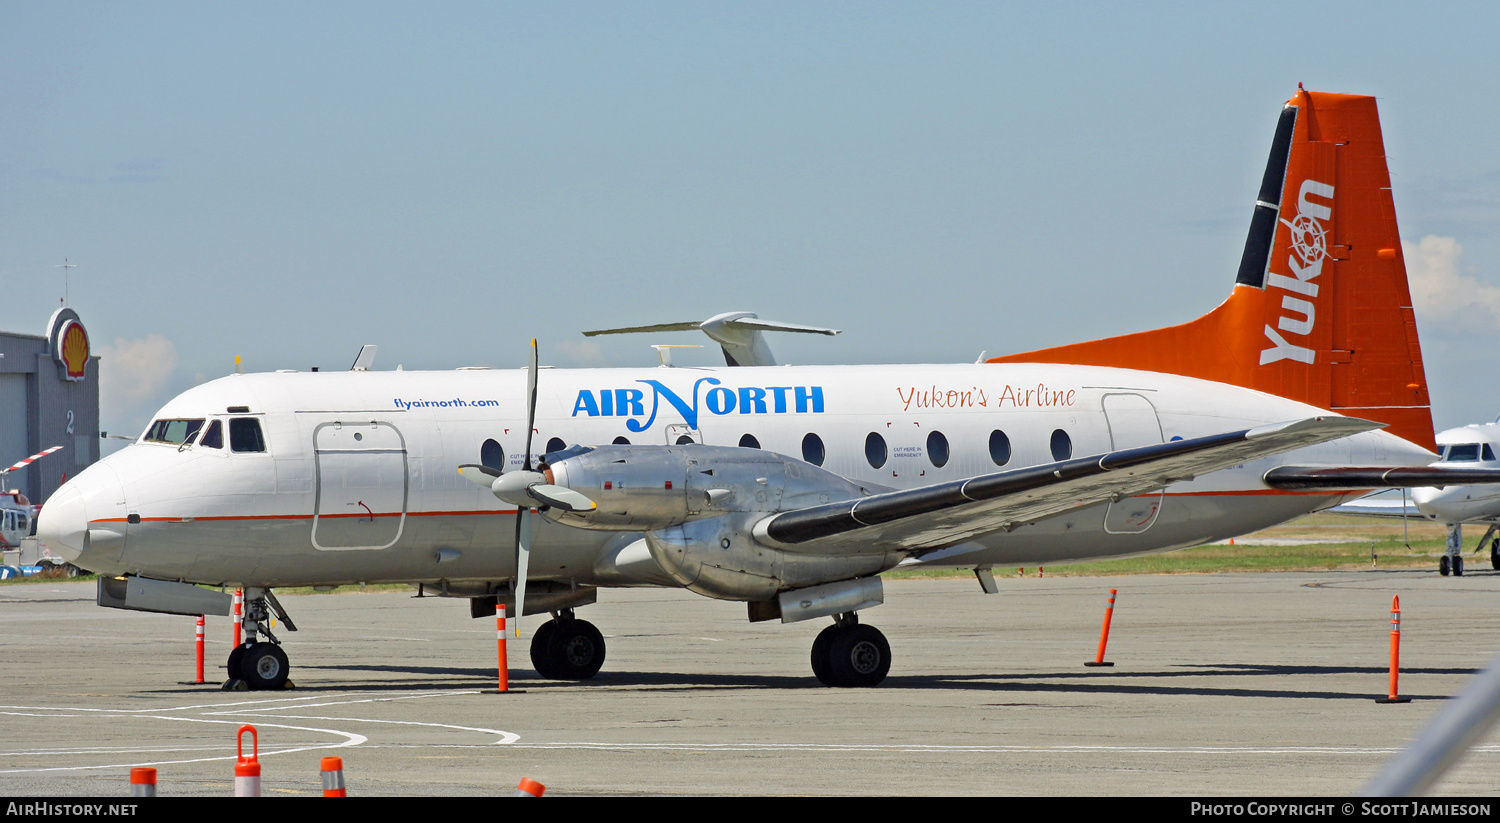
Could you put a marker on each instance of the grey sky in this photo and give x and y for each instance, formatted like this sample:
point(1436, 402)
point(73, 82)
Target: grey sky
point(289, 181)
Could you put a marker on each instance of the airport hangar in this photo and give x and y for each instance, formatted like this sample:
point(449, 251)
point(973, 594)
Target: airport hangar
point(49, 396)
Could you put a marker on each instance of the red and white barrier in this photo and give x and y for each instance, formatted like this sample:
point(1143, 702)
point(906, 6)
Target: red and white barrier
point(239, 616)
point(333, 777)
point(504, 662)
point(247, 769)
point(199, 644)
point(143, 782)
point(1392, 697)
point(1109, 613)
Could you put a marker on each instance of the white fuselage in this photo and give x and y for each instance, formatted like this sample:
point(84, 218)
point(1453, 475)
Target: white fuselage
point(358, 479)
point(1466, 447)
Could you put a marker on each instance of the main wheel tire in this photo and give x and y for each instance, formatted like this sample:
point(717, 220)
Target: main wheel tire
point(1443, 565)
point(1458, 567)
point(859, 657)
point(265, 666)
point(1495, 554)
point(820, 664)
point(539, 641)
point(575, 651)
point(232, 667)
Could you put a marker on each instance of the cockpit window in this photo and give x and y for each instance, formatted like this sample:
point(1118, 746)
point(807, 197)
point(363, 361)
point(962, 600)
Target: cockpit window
point(1462, 453)
point(175, 432)
point(1489, 453)
point(214, 437)
point(245, 436)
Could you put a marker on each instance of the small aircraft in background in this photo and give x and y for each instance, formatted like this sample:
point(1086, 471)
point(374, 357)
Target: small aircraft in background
point(1475, 446)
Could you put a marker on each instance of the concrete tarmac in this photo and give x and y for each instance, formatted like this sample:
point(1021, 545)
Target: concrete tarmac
point(1234, 684)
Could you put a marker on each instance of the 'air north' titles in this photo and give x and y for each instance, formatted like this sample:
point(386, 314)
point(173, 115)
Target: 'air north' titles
point(717, 400)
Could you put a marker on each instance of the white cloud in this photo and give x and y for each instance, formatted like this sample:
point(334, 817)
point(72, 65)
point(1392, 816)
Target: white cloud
point(132, 371)
point(581, 353)
point(1442, 291)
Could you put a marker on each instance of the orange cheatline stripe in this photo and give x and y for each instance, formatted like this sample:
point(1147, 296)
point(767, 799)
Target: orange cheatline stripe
point(305, 516)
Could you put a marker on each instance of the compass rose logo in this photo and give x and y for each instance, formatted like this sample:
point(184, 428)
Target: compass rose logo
point(1309, 238)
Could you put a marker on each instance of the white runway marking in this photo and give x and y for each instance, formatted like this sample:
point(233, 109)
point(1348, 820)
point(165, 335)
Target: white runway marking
point(924, 748)
point(227, 714)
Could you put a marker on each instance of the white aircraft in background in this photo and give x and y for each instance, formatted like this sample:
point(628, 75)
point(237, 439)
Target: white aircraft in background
point(17, 513)
point(792, 488)
point(1466, 447)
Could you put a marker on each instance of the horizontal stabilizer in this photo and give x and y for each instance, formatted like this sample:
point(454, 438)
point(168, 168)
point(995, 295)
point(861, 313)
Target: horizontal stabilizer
point(1335, 478)
point(738, 333)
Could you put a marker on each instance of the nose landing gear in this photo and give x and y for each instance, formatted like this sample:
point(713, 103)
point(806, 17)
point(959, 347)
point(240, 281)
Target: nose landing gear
point(255, 664)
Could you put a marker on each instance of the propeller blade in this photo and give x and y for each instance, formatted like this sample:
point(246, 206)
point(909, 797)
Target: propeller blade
point(523, 559)
point(478, 475)
point(526, 479)
point(530, 402)
point(561, 497)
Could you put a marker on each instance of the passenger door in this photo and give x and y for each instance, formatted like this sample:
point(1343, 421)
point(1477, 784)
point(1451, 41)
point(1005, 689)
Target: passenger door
point(362, 485)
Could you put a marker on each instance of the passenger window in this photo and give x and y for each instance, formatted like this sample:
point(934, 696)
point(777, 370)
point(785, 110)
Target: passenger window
point(555, 444)
point(214, 437)
point(1062, 445)
point(999, 447)
point(491, 454)
point(812, 449)
point(749, 442)
point(875, 450)
point(245, 436)
point(622, 441)
point(937, 449)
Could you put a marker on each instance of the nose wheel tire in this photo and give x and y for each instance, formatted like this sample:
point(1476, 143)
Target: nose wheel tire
point(1443, 565)
point(263, 666)
point(856, 656)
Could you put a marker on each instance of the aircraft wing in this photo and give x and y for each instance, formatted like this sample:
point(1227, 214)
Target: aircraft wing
point(944, 514)
point(1335, 478)
point(1391, 503)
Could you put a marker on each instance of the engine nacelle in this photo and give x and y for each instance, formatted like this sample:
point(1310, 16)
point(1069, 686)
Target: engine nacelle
point(641, 488)
point(718, 557)
point(698, 505)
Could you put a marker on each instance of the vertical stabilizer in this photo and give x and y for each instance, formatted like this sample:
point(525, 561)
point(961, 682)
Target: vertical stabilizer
point(1320, 311)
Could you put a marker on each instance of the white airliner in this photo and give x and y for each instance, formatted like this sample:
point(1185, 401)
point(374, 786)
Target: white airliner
point(792, 488)
point(1469, 447)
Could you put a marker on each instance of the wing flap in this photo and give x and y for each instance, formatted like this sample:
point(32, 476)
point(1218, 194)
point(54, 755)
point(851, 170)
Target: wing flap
point(946, 513)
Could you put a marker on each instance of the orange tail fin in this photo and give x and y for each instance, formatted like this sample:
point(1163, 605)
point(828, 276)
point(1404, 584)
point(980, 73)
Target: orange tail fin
point(1320, 311)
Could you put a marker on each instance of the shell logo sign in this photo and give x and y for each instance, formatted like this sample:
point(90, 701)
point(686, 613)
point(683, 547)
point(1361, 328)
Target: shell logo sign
point(73, 349)
point(69, 343)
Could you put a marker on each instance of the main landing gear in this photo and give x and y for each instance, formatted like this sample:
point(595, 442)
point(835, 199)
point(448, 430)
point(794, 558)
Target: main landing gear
point(255, 664)
point(850, 654)
point(566, 648)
